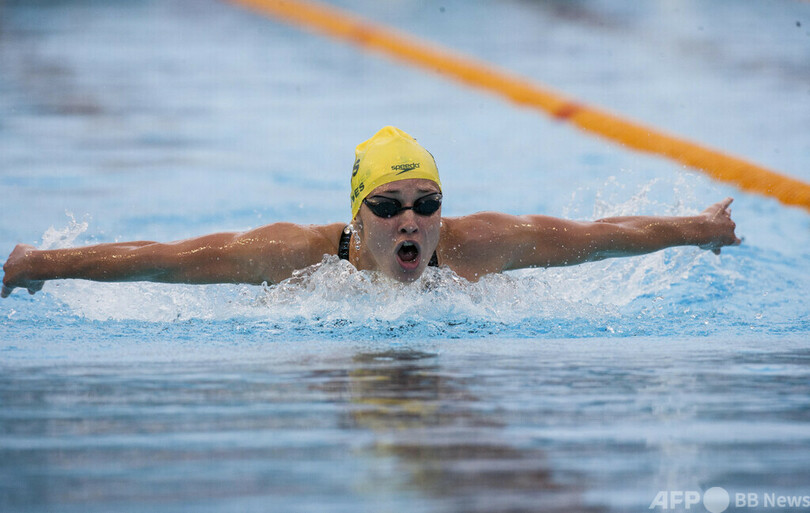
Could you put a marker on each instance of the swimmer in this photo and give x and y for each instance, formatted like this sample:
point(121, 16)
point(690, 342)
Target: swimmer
point(397, 229)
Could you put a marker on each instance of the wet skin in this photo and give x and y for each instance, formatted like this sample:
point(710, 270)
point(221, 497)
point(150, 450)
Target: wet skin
point(399, 247)
point(381, 240)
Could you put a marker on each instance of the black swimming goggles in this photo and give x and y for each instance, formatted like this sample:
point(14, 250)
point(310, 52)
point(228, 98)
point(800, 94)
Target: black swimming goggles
point(389, 207)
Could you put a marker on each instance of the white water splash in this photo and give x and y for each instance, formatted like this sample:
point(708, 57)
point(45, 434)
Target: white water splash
point(333, 291)
point(64, 238)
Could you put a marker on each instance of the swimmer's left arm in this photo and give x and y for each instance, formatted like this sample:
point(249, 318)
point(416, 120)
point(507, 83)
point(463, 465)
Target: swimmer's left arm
point(545, 242)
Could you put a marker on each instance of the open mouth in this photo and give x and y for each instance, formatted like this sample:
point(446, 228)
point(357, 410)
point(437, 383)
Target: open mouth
point(408, 255)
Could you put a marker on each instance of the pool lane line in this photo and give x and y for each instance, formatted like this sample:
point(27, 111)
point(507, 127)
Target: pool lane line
point(343, 25)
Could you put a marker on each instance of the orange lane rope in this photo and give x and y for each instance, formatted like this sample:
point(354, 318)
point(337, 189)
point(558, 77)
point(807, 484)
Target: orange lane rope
point(342, 25)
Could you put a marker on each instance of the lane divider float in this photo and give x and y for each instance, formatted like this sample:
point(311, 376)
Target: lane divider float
point(339, 24)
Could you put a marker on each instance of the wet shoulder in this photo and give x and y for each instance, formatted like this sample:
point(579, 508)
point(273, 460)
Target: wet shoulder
point(475, 245)
point(481, 227)
point(327, 236)
point(310, 242)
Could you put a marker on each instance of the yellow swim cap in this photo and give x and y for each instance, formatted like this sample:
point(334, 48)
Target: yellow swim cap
point(391, 155)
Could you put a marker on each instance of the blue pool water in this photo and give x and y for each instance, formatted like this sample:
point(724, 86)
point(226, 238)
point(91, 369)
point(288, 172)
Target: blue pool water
point(580, 389)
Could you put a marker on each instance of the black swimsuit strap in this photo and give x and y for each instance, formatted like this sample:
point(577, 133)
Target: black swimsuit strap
point(343, 247)
point(346, 237)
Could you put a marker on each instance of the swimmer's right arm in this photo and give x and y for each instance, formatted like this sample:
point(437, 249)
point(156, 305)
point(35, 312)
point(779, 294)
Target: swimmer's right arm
point(267, 254)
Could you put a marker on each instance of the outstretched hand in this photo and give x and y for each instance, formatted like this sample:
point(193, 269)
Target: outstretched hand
point(720, 227)
point(15, 272)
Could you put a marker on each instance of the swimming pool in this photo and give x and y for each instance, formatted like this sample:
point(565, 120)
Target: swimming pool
point(588, 388)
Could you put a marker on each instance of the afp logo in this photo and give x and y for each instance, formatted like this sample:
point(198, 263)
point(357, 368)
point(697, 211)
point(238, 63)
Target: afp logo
point(715, 500)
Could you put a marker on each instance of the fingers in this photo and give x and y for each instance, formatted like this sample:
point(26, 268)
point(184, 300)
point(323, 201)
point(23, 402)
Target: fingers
point(32, 289)
point(719, 208)
point(719, 216)
point(722, 207)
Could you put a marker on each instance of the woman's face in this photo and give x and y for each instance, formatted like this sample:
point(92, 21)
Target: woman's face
point(399, 246)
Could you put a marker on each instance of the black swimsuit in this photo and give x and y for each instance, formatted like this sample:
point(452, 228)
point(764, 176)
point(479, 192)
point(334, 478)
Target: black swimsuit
point(346, 237)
